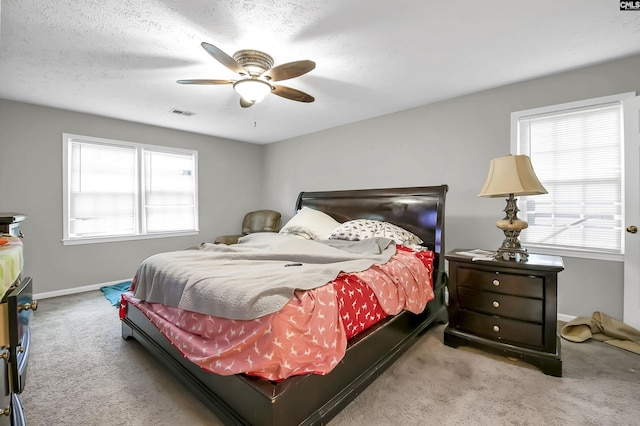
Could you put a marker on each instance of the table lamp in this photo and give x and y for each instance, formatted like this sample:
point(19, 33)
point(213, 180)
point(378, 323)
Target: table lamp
point(510, 176)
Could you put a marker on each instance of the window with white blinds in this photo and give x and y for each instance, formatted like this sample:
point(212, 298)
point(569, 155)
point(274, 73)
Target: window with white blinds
point(577, 153)
point(116, 190)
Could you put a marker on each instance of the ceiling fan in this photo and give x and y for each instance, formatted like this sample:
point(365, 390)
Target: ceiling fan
point(256, 72)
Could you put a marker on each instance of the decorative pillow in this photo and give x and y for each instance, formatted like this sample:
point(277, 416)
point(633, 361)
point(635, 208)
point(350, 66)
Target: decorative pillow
point(310, 224)
point(359, 229)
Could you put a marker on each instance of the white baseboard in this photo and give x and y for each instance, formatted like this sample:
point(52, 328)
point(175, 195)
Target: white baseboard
point(76, 290)
point(566, 318)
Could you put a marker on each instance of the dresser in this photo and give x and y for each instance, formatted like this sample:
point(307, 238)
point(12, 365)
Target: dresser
point(506, 307)
point(16, 307)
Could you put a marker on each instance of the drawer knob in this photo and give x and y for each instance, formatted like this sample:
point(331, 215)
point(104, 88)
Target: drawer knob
point(5, 354)
point(33, 306)
point(496, 304)
point(5, 411)
point(496, 283)
point(496, 328)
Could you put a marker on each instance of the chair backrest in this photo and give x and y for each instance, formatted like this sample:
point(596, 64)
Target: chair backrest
point(261, 221)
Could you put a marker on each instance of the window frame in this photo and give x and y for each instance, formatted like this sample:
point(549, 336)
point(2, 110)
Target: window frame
point(515, 149)
point(67, 138)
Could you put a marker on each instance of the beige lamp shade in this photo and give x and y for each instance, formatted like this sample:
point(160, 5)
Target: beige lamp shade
point(512, 174)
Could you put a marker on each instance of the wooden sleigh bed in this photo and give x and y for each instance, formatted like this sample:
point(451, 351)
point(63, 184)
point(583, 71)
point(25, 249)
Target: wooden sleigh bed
point(314, 399)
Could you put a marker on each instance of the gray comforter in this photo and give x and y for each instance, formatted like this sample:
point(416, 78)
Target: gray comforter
point(255, 277)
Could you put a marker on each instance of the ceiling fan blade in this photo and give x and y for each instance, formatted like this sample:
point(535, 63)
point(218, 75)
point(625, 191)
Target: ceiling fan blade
point(289, 70)
point(293, 94)
point(205, 81)
point(224, 59)
point(245, 104)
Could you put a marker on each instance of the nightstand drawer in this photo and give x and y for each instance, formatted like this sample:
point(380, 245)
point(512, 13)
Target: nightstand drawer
point(499, 282)
point(521, 308)
point(501, 329)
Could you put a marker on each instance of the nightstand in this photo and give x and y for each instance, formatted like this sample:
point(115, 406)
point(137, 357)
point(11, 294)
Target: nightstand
point(506, 307)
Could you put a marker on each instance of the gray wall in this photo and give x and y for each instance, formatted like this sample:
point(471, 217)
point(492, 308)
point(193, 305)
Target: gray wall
point(447, 142)
point(452, 142)
point(230, 173)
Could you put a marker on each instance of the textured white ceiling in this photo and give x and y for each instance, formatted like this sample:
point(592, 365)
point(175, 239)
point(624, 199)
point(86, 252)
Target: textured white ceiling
point(121, 59)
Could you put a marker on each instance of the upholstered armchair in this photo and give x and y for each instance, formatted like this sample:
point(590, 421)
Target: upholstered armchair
point(256, 221)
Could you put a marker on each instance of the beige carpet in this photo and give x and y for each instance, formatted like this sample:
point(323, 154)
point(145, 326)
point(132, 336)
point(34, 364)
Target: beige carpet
point(81, 372)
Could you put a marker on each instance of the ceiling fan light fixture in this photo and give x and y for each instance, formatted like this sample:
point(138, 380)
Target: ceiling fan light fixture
point(251, 89)
point(256, 73)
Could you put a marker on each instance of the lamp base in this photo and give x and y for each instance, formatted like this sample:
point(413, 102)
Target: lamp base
point(511, 249)
point(511, 225)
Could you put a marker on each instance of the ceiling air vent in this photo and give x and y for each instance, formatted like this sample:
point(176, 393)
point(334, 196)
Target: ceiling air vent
point(181, 112)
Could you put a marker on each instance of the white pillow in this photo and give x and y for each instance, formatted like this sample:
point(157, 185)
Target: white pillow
point(359, 229)
point(310, 224)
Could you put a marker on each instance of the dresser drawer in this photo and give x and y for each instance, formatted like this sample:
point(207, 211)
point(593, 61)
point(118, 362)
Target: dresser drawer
point(501, 329)
point(20, 307)
point(500, 282)
point(17, 411)
point(5, 410)
point(504, 305)
point(11, 410)
point(5, 395)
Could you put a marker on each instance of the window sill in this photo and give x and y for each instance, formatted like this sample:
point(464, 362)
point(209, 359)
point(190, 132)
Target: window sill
point(613, 257)
point(112, 239)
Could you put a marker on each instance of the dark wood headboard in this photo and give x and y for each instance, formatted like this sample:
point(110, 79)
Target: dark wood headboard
point(418, 209)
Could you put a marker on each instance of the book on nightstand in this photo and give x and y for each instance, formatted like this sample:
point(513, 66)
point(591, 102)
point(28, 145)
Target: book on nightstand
point(478, 254)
